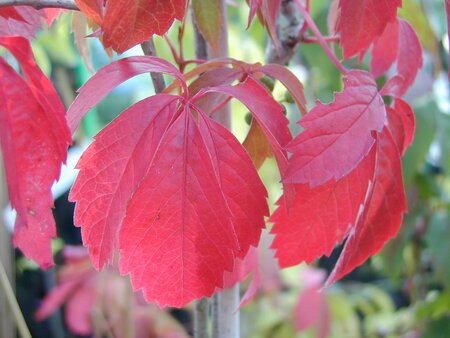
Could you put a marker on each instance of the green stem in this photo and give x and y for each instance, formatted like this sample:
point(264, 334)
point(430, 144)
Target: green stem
point(12, 303)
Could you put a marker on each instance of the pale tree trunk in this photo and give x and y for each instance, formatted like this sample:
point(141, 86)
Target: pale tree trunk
point(224, 305)
point(6, 258)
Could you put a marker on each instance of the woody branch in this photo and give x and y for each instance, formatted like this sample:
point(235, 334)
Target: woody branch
point(39, 4)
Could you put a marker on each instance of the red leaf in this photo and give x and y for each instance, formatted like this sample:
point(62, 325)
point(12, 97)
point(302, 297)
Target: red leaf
point(58, 296)
point(111, 169)
point(10, 12)
point(127, 23)
point(267, 112)
point(383, 212)
point(268, 11)
point(51, 14)
point(409, 55)
point(194, 187)
point(200, 208)
point(319, 217)
point(312, 308)
point(385, 49)
point(93, 9)
point(401, 124)
point(109, 77)
point(34, 144)
point(362, 21)
point(79, 308)
point(337, 136)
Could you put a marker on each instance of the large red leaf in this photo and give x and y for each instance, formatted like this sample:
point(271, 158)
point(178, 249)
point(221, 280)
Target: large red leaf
point(383, 210)
point(127, 23)
point(319, 217)
point(111, 169)
point(337, 136)
point(188, 215)
point(191, 203)
point(362, 21)
point(34, 139)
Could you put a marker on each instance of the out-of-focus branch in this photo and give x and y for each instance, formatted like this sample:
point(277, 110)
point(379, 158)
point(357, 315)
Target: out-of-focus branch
point(288, 32)
point(39, 4)
point(148, 47)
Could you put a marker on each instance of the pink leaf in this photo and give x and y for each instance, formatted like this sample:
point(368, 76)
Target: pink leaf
point(337, 136)
point(20, 21)
point(34, 144)
point(312, 307)
point(409, 56)
point(254, 6)
point(383, 210)
point(362, 21)
point(78, 312)
point(385, 49)
point(58, 296)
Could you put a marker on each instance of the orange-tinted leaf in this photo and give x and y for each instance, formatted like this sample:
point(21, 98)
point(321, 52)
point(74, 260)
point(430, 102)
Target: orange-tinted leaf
point(127, 23)
point(93, 9)
point(257, 145)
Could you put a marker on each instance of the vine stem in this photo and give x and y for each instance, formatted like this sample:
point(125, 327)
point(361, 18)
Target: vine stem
point(39, 4)
point(12, 303)
point(148, 47)
point(320, 38)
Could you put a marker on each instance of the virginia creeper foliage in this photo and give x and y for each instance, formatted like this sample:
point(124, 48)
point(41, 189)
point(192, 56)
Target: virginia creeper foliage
point(170, 194)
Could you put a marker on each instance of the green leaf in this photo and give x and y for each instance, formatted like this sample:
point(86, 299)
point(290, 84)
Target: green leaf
point(437, 239)
point(208, 18)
